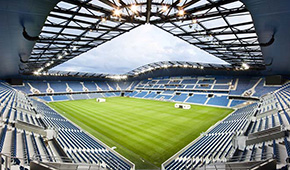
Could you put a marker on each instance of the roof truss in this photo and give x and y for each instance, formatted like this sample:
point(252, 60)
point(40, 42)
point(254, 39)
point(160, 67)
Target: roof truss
point(223, 28)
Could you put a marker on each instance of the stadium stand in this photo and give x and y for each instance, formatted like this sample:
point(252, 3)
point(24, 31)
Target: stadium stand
point(249, 36)
point(24, 134)
point(192, 89)
point(261, 130)
point(214, 147)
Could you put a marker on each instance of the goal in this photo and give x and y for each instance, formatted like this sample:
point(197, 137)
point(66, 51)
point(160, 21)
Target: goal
point(100, 100)
point(182, 106)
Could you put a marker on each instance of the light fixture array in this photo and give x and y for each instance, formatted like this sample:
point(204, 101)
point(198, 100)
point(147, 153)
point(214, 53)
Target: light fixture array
point(75, 26)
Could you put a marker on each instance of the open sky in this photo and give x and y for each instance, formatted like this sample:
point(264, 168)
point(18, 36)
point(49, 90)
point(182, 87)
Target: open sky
point(143, 45)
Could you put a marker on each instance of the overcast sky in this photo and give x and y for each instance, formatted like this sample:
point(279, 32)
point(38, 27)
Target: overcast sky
point(142, 45)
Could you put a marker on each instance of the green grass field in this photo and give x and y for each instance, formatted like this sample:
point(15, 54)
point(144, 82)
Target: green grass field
point(147, 132)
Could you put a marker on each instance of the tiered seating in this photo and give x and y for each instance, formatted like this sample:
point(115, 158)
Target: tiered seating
point(124, 85)
point(2, 137)
point(75, 86)
point(213, 145)
point(79, 96)
point(95, 95)
point(25, 87)
point(78, 145)
point(60, 97)
point(90, 85)
point(272, 113)
point(218, 86)
point(141, 94)
point(57, 86)
point(197, 98)
point(180, 98)
point(103, 86)
point(236, 102)
point(39, 85)
point(168, 92)
point(218, 101)
point(244, 83)
point(261, 89)
point(163, 97)
point(26, 145)
point(189, 81)
point(45, 98)
point(150, 95)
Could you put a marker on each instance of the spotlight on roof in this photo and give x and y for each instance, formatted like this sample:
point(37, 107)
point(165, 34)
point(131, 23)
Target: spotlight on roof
point(181, 12)
point(47, 64)
point(117, 77)
point(65, 53)
point(245, 66)
point(134, 8)
point(103, 19)
point(117, 12)
point(74, 48)
point(164, 8)
point(165, 66)
point(36, 73)
point(59, 56)
point(39, 70)
point(194, 21)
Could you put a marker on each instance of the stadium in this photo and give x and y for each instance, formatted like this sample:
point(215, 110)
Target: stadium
point(175, 114)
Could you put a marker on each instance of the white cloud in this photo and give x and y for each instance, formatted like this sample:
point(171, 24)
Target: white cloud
point(143, 45)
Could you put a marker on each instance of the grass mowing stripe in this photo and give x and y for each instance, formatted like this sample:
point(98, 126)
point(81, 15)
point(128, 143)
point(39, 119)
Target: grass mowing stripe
point(141, 129)
point(114, 123)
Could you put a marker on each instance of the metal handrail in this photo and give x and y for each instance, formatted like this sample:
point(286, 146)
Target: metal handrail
point(264, 156)
point(8, 159)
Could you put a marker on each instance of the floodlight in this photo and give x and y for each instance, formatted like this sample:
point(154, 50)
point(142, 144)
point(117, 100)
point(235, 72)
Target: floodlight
point(104, 20)
point(117, 12)
point(245, 66)
point(134, 8)
point(181, 12)
point(194, 21)
point(74, 48)
point(117, 77)
point(165, 66)
point(164, 8)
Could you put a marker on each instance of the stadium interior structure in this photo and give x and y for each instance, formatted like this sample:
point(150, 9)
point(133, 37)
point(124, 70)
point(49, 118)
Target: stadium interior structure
point(250, 35)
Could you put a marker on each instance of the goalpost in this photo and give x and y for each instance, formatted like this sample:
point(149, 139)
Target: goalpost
point(182, 106)
point(100, 100)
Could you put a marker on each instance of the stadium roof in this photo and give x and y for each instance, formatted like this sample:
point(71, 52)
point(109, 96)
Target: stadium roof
point(181, 67)
point(223, 28)
point(56, 31)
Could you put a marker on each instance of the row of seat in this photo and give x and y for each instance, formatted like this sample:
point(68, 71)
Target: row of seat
point(216, 144)
point(25, 145)
point(75, 86)
point(75, 141)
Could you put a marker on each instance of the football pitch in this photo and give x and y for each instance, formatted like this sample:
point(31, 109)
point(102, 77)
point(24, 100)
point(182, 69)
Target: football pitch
point(147, 132)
